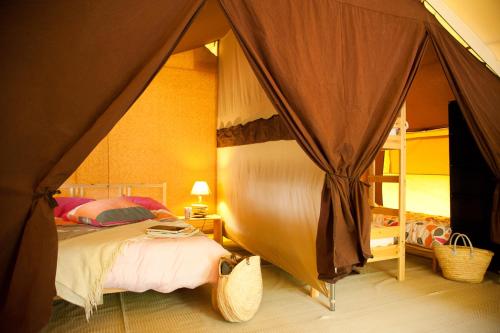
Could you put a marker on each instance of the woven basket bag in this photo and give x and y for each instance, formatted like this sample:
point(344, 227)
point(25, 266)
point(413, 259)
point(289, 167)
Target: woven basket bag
point(462, 263)
point(237, 295)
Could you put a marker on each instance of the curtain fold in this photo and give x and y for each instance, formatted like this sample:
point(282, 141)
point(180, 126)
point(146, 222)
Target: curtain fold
point(337, 73)
point(256, 131)
point(70, 71)
point(477, 91)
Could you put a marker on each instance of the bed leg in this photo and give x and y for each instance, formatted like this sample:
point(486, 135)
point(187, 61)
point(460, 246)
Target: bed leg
point(314, 293)
point(331, 296)
point(401, 267)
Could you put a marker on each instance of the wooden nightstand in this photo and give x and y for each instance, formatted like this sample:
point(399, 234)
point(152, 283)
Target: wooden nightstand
point(210, 224)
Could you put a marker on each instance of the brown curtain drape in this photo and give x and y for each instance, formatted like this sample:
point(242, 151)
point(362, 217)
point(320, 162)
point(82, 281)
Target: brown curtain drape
point(477, 91)
point(338, 74)
point(70, 70)
point(255, 131)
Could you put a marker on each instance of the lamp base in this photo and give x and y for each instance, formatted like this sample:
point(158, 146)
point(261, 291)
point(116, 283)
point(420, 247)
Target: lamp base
point(199, 210)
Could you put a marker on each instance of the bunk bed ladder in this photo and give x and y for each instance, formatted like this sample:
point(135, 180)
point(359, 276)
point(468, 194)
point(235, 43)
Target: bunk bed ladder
point(397, 143)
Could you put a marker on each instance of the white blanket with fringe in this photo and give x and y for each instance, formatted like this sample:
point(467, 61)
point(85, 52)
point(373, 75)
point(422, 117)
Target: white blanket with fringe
point(125, 258)
point(84, 261)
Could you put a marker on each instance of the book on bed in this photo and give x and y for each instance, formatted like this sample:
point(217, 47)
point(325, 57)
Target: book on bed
point(170, 231)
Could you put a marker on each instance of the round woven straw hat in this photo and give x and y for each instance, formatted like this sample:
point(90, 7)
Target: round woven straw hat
point(238, 295)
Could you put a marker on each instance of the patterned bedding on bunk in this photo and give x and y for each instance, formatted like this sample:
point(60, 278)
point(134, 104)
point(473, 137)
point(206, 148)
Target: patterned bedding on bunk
point(422, 229)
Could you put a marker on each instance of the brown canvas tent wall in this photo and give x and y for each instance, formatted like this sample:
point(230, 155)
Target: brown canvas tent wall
point(71, 70)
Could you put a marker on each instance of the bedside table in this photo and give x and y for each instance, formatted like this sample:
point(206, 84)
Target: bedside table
point(210, 224)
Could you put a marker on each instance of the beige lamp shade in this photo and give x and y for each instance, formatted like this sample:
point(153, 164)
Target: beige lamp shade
point(200, 188)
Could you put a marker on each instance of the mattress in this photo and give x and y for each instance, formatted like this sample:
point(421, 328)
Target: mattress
point(382, 242)
point(74, 230)
point(421, 229)
point(136, 263)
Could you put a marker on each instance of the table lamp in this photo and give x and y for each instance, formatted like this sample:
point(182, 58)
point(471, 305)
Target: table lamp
point(200, 188)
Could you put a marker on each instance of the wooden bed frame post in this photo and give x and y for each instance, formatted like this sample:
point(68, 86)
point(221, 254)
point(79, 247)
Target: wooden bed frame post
point(164, 193)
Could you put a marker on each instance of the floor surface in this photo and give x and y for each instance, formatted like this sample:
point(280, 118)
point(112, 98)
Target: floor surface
point(373, 301)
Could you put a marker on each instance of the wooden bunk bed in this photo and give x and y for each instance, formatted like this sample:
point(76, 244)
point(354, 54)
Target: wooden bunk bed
point(401, 247)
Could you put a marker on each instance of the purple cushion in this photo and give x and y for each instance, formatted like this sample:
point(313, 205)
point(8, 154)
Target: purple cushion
point(146, 202)
point(66, 204)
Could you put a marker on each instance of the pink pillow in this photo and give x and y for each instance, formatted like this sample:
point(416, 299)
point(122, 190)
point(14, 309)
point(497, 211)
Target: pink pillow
point(146, 202)
point(66, 204)
point(109, 212)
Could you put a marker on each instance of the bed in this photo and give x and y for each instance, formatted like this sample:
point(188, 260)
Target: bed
point(422, 232)
point(93, 261)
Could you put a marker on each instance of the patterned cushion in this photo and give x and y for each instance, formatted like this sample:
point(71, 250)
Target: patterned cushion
point(422, 229)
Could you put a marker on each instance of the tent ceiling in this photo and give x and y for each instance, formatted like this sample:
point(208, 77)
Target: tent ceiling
point(430, 56)
point(430, 93)
point(482, 16)
point(476, 22)
point(208, 26)
point(427, 100)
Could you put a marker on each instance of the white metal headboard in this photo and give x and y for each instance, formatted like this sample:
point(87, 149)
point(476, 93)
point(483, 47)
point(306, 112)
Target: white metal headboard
point(78, 190)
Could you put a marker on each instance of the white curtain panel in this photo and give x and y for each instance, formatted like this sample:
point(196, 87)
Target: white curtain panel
point(269, 197)
point(240, 98)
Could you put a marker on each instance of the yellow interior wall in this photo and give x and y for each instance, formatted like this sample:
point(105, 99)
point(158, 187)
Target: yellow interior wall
point(168, 135)
point(426, 154)
point(429, 194)
point(427, 177)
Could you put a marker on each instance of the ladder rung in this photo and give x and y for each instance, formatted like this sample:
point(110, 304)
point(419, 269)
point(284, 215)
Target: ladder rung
point(385, 211)
point(383, 179)
point(385, 232)
point(393, 142)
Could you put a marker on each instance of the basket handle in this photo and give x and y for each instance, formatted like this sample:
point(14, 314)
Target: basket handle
point(464, 239)
point(450, 241)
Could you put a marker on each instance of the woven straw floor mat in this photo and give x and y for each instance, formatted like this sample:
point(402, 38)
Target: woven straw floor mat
point(373, 301)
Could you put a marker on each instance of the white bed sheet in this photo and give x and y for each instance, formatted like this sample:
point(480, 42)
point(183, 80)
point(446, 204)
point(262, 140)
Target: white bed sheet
point(123, 257)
